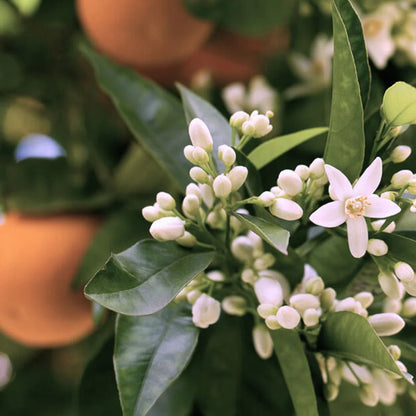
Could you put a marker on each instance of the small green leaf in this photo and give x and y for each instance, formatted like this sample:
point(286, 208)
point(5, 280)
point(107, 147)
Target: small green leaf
point(146, 277)
point(271, 232)
point(150, 353)
point(399, 104)
point(400, 247)
point(346, 139)
point(290, 352)
point(349, 336)
point(154, 116)
point(273, 148)
point(195, 106)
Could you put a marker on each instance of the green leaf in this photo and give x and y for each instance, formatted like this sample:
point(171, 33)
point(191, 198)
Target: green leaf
point(154, 116)
point(195, 106)
point(120, 231)
point(272, 149)
point(349, 336)
point(150, 353)
point(399, 104)
point(146, 277)
point(400, 247)
point(346, 141)
point(290, 352)
point(220, 373)
point(271, 233)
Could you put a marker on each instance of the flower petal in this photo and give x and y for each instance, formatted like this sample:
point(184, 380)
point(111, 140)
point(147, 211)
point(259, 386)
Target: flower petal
point(380, 207)
point(357, 236)
point(340, 185)
point(370, 179)
point(329, 215)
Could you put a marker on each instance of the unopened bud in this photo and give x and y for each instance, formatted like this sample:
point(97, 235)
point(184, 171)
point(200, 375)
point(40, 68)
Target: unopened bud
point(188, 153)
point(150, 213)
point(290, 182)
point(191, 205)
point(187, 240)
point(268, 291)
point(273, 274)
point(222, 186)
point(368, 395)
point(207, 194)
point(288, 317)
point(404, 271)
point(272, 322)
point(392, 305)
point(226, 154)
point(401, 178)
point(262, 125)
point(264, 262)
point(200, 156)
point(263, 343)
point(389, 195)
point(409, 308)
point(377, 247)
point(242, 249)
point(205, 311)
point(247, 276)
point(400, 153)
point(327, 298)
point(331, 391)
point(216, 276)
point(410, 287)
point(365, 298)
point(238, 118)
point(390, 285)
point(267, 198)
point(237, 176)
point(303, 301)
point(200, 135)
point(198, 175)
point(303, 171)
point(386, 324)
point(193, 189)
point(347, 304)
point(395, 351)
point(234, 305)
point(165, 201)
point(248, 128)
point(378, 224)
point(311, 317)
point(317, 168)
point(314, 285)
point(286, 209)
point(167, 228)
point(193, 295)
point(266, 309)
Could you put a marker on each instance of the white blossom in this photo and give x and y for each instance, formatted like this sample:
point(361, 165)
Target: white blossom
point(205, 311)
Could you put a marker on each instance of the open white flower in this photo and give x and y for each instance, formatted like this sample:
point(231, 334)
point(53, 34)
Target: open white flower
point(353, 203)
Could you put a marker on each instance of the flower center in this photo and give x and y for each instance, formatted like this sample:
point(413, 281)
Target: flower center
point(355, 207)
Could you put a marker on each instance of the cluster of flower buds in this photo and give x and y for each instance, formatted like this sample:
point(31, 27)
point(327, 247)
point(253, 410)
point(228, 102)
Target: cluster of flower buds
point(375, 385)
point(295, 188)
point(252, 125)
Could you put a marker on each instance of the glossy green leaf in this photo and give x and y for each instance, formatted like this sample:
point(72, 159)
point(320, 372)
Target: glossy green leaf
point(120, 231)
point(153, 115)
point(399, 104)
point(150, 353)
point(273, 148)
point(271, 232)
point(346, 140)
point(196, 107)
point(220, 372)
point(146, 277)
point(349, 336)
point(400, 247)
point(290, 352)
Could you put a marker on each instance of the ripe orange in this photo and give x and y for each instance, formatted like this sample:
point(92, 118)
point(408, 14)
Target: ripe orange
point(143, 33)
point(39, 257)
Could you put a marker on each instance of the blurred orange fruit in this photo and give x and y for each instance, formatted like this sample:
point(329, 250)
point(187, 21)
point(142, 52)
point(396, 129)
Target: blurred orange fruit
point(39, 258)
point(143, 33)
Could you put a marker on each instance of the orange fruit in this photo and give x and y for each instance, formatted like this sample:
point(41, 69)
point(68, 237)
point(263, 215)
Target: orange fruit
point(39, 258)
point(143, 33)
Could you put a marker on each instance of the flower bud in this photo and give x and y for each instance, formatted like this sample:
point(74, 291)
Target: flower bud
point(238, 118)
point(193, 189)
point(262, 125)
point(267, 198)
point(222, 186)
point(247, 276)
point(368, 395)
point(188, 153)
point(151, 213)
point(410, 287)
point(266, 309)
point(314, 285)
point(311, 317)
point(303, 172)
point(207, 195)
point(277, 191)
point(226, 154)
point(401, 178)
point(389, 195)
point(242, 249)
point(216, 276)
point(347, 304)
point(193, 295)
point(234, 305)
point(409, 308)
point(317, 168)
point(264, 262)
point(191, 205)
point(377, 247)
point(365, 298)
point(248, 128)
point(198, 175)
point(6, 369)
point(385, 386)
point(390, 285)
point(268, 291)
point(187, 240)
point(392, 305)
point(290, 182)
point(200, 156)
point(331, 391)
point(303, 301)
point(165, 201)
point(273, 274)
point(200, 135)
point(288, 317)
point(379, 223)
point(205, 311)
point(237, 175)
point(400, 153)
point(167, 228)
point(386, 324)
point(272, 322)
point(216, 219)
point(263, 343)
point(404, 271)
point(286, 209)
point(327, 298)
point(395, 351)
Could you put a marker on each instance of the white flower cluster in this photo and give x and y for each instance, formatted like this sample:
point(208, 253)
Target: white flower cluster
point(252, 125)
point(375, 385)
point(293, 188)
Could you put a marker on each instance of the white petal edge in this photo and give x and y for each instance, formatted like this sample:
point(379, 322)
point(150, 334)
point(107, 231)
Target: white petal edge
point(341, 186)
point(357, 236)
point(329, 215)
point(370, 179)
point(381, 207)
